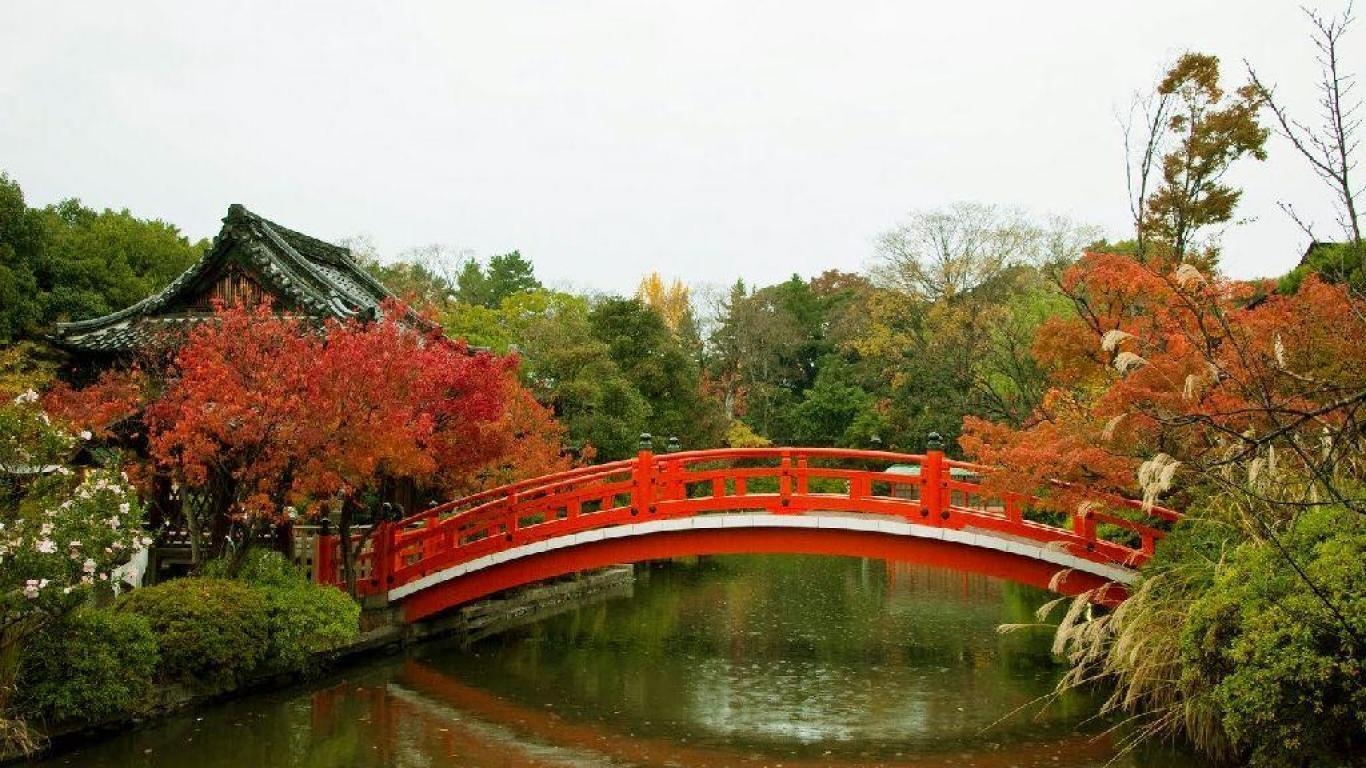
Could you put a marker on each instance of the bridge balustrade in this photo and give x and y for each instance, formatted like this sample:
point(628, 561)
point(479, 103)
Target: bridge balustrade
point(936, 492)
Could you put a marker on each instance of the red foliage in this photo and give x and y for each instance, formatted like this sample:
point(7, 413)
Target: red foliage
point(1182, 364)
point(270, 411)
point(531, 440)
point(388, 402)
point(116, 397)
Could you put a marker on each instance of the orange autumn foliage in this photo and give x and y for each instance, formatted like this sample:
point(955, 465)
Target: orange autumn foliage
point(1208, 371)
point(532, 443)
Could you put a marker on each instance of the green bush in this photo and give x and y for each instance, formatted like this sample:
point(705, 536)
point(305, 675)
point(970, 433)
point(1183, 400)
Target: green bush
point(1286, 675)
point(261, 567)
point(92, 665)
point(304, 618)
point(212, 632)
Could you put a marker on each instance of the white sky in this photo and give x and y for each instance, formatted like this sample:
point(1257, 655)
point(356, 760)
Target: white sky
point(709, 140)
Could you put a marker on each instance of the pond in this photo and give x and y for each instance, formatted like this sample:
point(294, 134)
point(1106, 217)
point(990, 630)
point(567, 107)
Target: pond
point(737, 660)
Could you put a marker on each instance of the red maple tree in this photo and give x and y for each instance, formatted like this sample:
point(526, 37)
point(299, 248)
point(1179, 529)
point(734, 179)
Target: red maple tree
point(266, 417)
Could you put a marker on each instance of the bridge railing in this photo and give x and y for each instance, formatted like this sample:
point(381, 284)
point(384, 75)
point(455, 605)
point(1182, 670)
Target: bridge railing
point(928, 489)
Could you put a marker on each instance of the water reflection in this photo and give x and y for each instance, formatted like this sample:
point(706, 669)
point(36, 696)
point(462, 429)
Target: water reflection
point(767, 660)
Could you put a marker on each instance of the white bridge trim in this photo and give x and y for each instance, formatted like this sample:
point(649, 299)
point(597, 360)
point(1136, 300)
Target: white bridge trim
point(835, 521)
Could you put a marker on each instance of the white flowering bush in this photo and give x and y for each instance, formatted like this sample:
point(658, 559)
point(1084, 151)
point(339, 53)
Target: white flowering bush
point(61, 535)
point(53, 553)
point(29, 444)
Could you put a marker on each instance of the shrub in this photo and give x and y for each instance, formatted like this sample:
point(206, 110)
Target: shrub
point(212, 632)
point(1286, 674)
point(92, 665)
point(304, 618)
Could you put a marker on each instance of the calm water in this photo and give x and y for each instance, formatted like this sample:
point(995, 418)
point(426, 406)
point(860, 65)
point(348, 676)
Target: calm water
point(763, 661)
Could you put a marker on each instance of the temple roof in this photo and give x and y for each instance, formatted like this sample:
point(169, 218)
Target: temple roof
point(303, 274)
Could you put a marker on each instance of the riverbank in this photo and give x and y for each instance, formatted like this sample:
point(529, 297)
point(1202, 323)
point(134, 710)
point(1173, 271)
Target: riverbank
point(385, 637)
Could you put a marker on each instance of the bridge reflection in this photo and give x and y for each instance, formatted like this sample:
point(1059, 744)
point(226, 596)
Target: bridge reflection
point(423, 714)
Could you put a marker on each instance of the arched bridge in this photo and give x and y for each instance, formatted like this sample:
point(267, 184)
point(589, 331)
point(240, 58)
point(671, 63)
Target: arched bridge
point(915, 507)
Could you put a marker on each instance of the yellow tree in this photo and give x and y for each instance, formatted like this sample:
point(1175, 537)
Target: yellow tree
point(672, 302)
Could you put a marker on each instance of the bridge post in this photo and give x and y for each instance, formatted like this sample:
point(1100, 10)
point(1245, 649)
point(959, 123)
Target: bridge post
point(932, 472)
point(785, 479)
point(324, 554)
point(643, 496)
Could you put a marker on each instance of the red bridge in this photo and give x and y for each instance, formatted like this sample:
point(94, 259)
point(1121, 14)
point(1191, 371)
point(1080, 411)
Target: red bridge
point(920, 508)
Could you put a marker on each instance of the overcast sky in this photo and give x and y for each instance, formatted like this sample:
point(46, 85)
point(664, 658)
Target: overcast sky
point(709, 140)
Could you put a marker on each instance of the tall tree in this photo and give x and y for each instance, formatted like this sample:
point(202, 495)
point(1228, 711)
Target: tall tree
point(1197, 131)
point(755, 359)
point(20, 242)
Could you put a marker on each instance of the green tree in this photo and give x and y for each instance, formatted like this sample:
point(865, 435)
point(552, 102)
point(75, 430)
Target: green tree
point(1285, 675)
point(96, 263)
point(506, 274)
point(659, 366)
point(837, 410)
point(472, 285)
point(937, 361)
point(68, 262)
point(563, 364)
point(756, 360)
point(20, 244)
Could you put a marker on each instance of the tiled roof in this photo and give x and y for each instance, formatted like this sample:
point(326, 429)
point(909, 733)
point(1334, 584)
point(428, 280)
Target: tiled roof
point(317, 278)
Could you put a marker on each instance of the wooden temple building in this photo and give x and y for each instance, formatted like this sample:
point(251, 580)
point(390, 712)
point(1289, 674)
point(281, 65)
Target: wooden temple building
point(251, 257)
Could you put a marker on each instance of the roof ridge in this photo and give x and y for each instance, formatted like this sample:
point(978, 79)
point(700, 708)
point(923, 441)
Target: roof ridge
point(342, 254)
point(322, 277)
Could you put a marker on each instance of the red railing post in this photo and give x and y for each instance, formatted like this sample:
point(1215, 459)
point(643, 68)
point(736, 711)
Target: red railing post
point(324, 556)
point(932, 472)
point(672, 481)
point(1084, 525)
point(643, 497)
point(431, 543)
point(785, 479)
point(1014, 513)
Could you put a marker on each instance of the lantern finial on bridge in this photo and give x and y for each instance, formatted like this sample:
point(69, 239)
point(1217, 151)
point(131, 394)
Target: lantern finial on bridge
point(934, 442)
point(647, 441)
point(674, 445)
